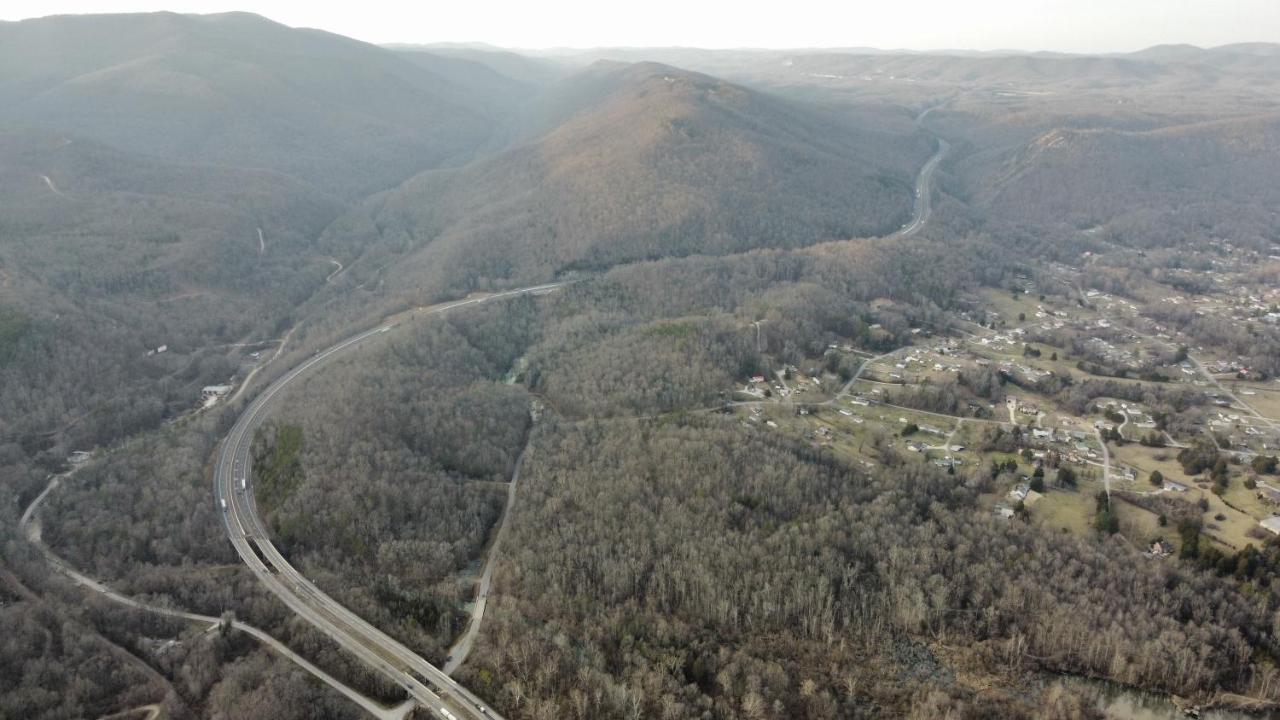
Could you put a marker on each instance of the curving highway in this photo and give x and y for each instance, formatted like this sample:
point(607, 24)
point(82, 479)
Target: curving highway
point(923, 202)
point(426, 684)
point(30, 526)
point(429, 686)
point(924, 181)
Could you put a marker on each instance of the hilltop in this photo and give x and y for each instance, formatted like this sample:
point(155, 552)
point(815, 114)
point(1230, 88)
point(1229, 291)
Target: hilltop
point(237, 89)
point(1156, 187)
point(643, 161)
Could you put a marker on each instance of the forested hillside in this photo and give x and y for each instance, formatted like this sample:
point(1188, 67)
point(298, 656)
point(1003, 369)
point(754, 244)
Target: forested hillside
point(165, 180)
point(645, 161)
point(237, 89)
point(704, 569)
point(1157, 188)
point(737, 496)
point(107, 256)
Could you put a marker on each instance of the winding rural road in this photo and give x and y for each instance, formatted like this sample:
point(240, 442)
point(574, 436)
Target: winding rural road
point(337, 268)
point(426, 684)
point(462, 648)
point(48, 181)
point(29, 524)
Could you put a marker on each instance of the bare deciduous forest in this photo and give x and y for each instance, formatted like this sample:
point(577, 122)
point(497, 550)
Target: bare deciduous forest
point(714, 216)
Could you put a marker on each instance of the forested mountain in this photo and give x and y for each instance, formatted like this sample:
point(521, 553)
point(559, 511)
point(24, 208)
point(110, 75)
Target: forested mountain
point(1149, 188)
point(237, 89)
point(107, 255)
point(725, 511)
point(646, 161)
point(165, 177)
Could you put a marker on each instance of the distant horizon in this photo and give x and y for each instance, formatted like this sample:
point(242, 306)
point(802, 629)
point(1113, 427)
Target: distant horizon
point(1083, 27)
point(483, 45)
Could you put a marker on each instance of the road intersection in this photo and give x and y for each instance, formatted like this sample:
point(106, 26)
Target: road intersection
point(426, 684)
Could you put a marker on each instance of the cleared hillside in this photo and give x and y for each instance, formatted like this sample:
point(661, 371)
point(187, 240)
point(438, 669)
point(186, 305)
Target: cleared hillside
point(645, 161)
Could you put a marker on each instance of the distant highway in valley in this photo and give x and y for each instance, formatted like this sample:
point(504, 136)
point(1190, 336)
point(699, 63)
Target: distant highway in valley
point(426, 684)
point(924, 182)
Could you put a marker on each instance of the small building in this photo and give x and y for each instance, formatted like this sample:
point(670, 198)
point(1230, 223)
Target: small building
point(1020, 492)
point(1271, 524)
point(214, 391)
point(1269, 494)
point(1173, 486)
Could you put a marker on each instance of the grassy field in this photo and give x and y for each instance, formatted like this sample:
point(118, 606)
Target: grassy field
point(1071, 510)
point(1141, 526)
point(1266, 397)
point(1247, 500)
point(1234, 529)
point(1004, 302)
point(1146, 460)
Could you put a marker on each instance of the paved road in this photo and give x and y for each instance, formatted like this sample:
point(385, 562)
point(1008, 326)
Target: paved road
point(431, 687)
point(858, 373)
point(1230, 395)
point(1204, 372)
point(426, 684)
point(30, 527)
point(924, 183)
point(461, 649)
point(1106, 462)
point(924, 192)
point(48, 181)
point(337, 268)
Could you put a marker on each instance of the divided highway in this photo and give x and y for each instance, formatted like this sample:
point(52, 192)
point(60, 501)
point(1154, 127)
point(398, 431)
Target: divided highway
point(924, 194)
point(30, 526)
point(429, 686)
point(920, 216)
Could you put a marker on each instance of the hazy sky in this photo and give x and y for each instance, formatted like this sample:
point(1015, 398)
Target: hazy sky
point(1066, 25)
